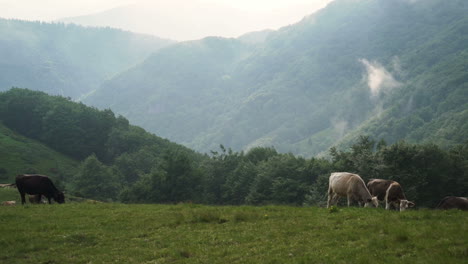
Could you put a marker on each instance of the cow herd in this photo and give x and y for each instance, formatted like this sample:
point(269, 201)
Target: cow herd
point(352, 186)
point(341, 184)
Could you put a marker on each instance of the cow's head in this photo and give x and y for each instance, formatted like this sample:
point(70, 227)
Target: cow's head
point(373, 201)
point(59, 197)
point(405, 204)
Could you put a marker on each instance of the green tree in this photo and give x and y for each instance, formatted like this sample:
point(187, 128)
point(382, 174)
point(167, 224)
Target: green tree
point(216, 171)
point(95, 180)
point(281, 179)
point(238, 183)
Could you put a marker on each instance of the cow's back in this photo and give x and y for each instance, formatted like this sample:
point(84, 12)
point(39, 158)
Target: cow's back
point(344, 182)
point(453, 202)
point(35, 184)
point(379, 187)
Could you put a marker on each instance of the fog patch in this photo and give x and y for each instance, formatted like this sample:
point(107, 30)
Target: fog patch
point(396, 66)
point(379, 80)
point(378, 110)
point(340, 127)
point(409, 105)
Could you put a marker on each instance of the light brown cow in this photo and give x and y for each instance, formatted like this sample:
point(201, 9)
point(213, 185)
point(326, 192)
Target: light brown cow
point(391, 192)
point(345, 184)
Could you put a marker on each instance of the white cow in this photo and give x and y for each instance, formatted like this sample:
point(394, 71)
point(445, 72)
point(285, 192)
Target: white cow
point(345, 184)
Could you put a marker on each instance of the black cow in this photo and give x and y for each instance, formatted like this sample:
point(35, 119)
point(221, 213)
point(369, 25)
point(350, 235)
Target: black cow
point(39, 185)
point(453, 202)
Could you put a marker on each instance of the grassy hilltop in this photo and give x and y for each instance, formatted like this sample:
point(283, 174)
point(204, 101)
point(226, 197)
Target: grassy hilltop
point(187, 233)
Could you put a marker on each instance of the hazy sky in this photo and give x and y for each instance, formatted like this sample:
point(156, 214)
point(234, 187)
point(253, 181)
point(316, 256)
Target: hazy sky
point(270, 14)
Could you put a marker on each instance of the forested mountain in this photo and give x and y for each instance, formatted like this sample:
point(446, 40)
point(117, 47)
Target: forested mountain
point(64, 59)
point(74, 133)
point(390, 69)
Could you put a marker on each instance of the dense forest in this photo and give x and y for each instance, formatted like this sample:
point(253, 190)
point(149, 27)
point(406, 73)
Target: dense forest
point(117, 161)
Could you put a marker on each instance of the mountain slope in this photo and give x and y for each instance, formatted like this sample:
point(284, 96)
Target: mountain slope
point(68, 60)
point(357, 66)
point(187, 83)
point(23, 155)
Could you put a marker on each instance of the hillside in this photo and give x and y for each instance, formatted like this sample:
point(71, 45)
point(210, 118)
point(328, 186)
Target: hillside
point(122, 162)
point(67, 60)
point(23, 155)
point(105, 153)
point(391, 70)
point(185, 233)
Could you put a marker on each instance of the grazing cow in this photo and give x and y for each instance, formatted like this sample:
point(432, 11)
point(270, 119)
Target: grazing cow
point(38, 185)
point(345, 184)
point(390, 192)
point(453, 202)
point(9, 203)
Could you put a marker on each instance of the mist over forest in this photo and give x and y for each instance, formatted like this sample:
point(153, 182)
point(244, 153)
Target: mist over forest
point(390, 70)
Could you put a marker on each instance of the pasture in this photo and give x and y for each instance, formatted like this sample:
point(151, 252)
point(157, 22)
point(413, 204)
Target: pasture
point(188, 233)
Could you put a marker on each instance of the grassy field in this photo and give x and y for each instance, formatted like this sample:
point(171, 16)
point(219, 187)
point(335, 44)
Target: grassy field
point(186, 233)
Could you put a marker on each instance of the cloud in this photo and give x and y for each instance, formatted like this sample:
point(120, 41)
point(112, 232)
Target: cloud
point(379, 80)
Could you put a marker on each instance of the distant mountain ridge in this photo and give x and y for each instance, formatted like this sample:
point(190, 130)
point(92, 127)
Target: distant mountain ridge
point(67, 60)
point(183, 20)
point(357, 66)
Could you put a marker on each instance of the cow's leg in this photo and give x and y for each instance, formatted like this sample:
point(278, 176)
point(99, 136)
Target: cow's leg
point(330, 197)
point(39, 198)
point(23, 199)
point(387, 205)
point(349, 201)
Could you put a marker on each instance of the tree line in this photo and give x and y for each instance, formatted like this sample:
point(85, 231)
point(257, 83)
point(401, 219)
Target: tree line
point(121, 162)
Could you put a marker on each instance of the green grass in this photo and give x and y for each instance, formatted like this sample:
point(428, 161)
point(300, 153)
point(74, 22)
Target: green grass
point(9, 194)
point(20, 155)
point(186, 233)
